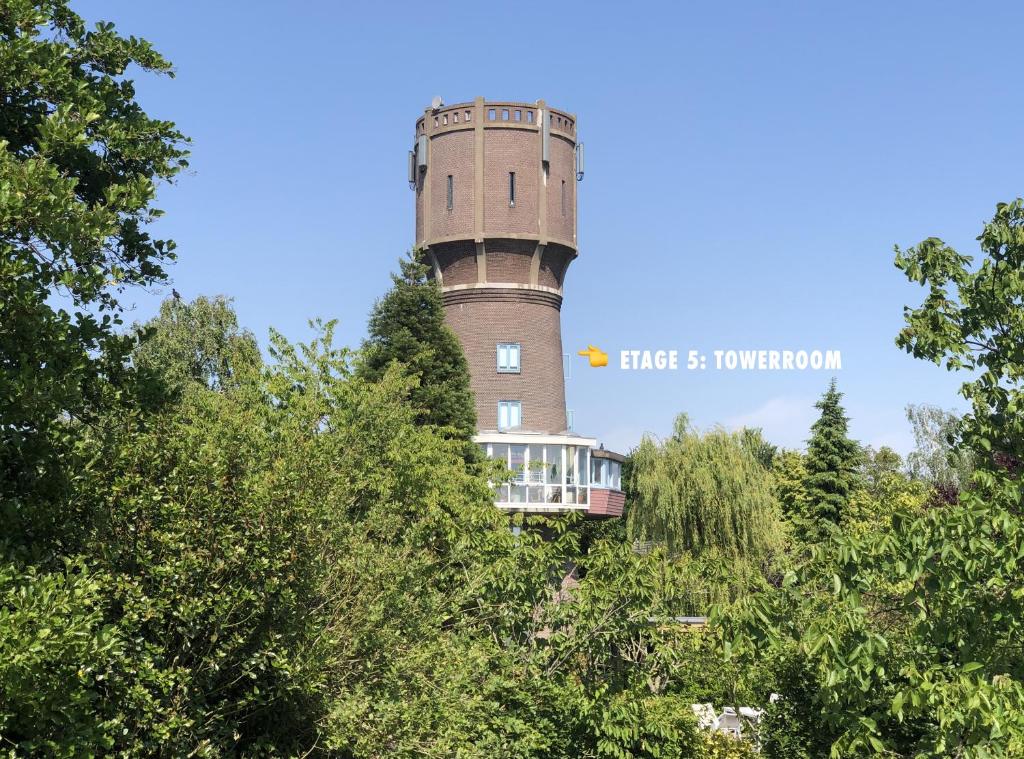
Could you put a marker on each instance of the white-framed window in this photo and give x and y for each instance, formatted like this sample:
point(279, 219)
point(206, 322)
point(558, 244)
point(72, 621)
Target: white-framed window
point(510, 415)
point(542, 474)
point(508, 358)
point(605, 473)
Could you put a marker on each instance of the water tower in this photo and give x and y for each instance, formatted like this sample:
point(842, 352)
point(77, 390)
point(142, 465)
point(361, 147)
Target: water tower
point(495, 185)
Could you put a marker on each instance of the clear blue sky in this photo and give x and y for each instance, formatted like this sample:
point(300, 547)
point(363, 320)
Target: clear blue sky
point(749, 168)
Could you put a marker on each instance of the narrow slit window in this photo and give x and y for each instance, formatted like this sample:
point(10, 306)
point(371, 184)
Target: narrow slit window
point(451, 192)
point(563, 196)
point(491, 115)
point(504, 114)
point(511, 189)
point(518, 115)
point(529, 117)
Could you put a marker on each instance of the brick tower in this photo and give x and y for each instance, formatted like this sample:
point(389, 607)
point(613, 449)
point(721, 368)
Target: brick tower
point(495, 187)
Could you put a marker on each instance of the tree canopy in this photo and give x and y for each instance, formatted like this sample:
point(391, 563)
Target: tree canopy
point(79, 165)
point(912, 630)
point(193, 342)
point(407, 326)
point(832, 461)
point(703, 493)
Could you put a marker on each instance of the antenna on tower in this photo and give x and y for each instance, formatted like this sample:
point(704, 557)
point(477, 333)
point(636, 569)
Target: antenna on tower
point(436, 103)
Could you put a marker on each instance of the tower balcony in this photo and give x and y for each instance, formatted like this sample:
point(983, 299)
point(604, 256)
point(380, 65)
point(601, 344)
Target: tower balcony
point(553, 474)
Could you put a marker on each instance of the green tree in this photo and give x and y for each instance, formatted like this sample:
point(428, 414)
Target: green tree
point(259, 553)
point(790, 475)
point(914, 631)
point(754, 441)
point(832, 461)
point(193, 342)
point(702, 493)
point(938, 457)
point(407, 326)
point(79, 165)
point(971, 320)
point(878, 464)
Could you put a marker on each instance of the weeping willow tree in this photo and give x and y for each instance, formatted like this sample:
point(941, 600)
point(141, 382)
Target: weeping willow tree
point(704, 494)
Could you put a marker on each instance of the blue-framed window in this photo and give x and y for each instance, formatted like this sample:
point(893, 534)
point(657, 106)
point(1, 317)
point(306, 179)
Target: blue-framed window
point(508, 358)
point(510, 415)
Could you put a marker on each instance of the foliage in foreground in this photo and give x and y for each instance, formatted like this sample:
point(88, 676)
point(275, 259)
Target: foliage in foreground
point(79, 163)
point(291, 562)
point(914, 633)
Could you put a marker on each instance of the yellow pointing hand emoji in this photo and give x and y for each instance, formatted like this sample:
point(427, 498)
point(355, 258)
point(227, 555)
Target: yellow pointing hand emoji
point(597, 356)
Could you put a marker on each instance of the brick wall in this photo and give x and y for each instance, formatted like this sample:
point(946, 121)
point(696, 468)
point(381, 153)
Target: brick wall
point(483, 316)
point(561, 168)
point(451, 154)
point(482, 319)
point(509, 260)
point(457, 261)
point(508, 150)
point(553, 265)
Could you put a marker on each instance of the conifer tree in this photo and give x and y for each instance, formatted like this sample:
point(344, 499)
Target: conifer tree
point(407, 326)
point(831, 462)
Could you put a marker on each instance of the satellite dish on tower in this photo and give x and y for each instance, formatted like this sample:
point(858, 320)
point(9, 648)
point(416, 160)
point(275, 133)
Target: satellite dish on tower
point(436, 103)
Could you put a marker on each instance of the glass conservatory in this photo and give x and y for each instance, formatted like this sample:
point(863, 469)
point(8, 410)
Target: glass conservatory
point(548, 472)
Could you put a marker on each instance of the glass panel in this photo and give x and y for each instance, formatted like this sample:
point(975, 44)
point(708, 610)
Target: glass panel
point(581, 496)
point(584, 467)
point(553, 464)
point(513, 356)
point(502, 416)
point(553, 493)
point(570, 464)
point(535, 464)
point(518, 494)
point(570, 495)
point(536, 493)
point(515, 416)
point(518, 465)
point(615, 478)
point(502, 357)
point(499, 452)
